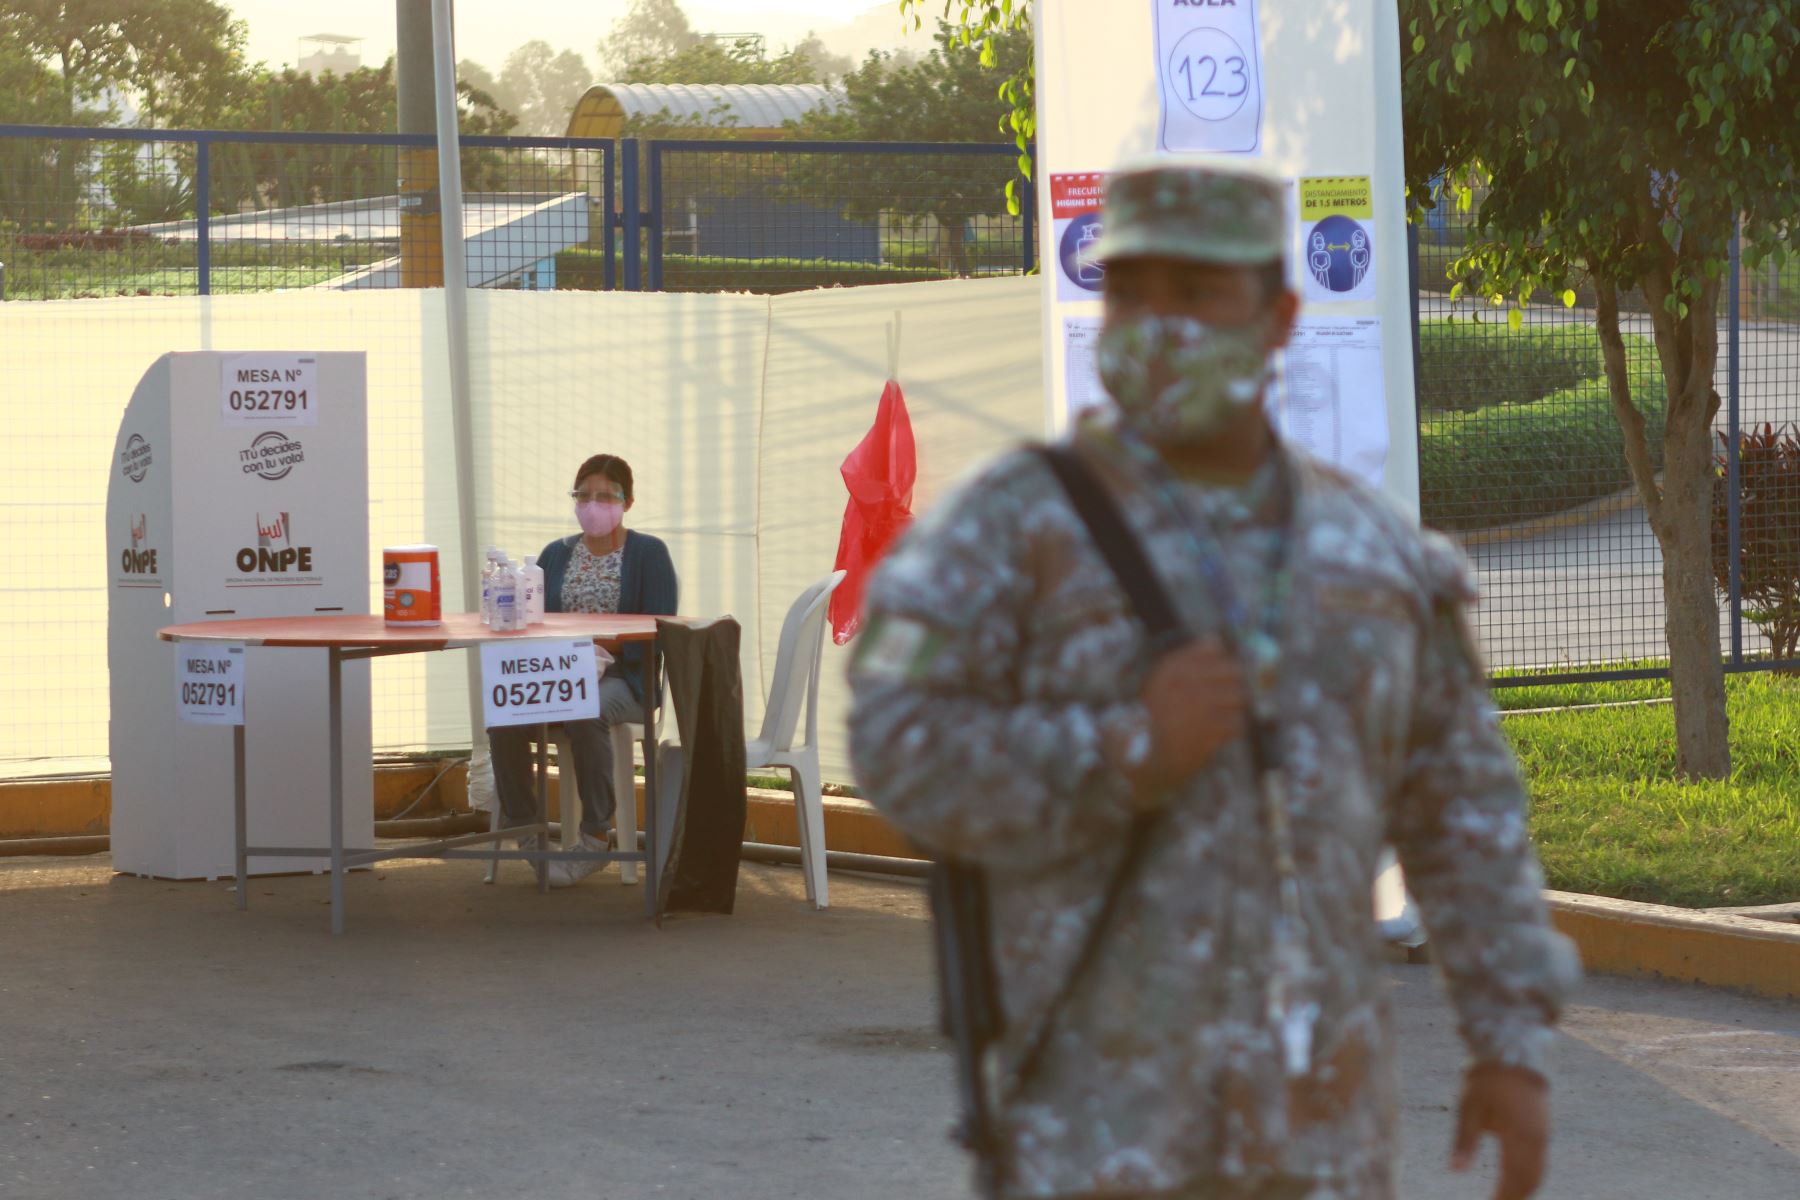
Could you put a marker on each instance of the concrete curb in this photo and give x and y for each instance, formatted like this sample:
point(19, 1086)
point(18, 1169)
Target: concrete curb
point(1747, 950)
point(1587, 514)
point(1760, 956)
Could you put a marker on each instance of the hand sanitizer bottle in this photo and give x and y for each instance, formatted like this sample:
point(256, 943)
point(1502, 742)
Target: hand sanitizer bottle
point(506, 597)
point(534, 591)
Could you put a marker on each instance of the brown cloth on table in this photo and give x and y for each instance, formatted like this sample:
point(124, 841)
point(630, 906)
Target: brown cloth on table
point(702, 801)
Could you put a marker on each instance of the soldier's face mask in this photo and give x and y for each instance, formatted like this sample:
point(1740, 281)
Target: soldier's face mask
point(1177, 379)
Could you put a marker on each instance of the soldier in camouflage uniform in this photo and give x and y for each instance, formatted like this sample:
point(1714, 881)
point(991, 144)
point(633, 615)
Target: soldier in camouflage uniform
point(1231, 1037)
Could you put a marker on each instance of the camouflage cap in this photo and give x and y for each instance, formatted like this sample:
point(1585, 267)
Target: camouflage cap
point(1194, 212)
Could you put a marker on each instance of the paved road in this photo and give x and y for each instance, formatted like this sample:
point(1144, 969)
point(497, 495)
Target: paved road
point(1594, 593)
point(482, 1042)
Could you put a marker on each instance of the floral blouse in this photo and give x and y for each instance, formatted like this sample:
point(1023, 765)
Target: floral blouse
point(592, 582)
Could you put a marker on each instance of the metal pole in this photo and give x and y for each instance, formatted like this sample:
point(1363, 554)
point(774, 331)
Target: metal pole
point(421, 262)
point(609, 276)
point(203, 213)
point(1733, 494)
point(334, 704)
point(656, 219)
point(239, 813)
point(634, 216)
point(1028, 211)
point(652, 866)
point(1412, 273)
point(456, 320)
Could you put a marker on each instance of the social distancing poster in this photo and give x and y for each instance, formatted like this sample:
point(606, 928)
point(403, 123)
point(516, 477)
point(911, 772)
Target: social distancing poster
point(1307, 93)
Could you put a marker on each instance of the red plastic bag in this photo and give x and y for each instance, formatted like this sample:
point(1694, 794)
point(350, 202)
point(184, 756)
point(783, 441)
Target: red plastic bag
point(880, 474)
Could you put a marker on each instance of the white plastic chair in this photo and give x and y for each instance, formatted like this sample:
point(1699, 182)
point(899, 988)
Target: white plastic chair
point(625, 740)
point(796, 682)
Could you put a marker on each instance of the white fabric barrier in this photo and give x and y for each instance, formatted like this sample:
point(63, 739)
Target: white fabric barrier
point(971, 366)
point(734, 411)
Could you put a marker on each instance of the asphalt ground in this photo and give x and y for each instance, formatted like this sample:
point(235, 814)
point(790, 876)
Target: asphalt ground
point(463, 1040)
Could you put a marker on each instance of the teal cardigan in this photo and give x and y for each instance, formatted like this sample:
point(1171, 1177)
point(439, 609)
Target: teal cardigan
point(647, 587)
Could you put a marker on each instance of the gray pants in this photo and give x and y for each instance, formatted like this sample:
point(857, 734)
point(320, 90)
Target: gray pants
point(591, 744)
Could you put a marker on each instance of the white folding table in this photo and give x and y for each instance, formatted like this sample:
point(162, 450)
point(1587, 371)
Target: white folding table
point(351, 638)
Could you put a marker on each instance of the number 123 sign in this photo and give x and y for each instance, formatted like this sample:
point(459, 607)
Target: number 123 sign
point(1209, 71)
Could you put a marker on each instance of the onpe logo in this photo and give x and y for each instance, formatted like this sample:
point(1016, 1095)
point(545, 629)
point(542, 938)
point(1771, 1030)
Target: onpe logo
point(134, 460)
point(138, 559)
point(274, 552)
point(272, 455)
point(272, 533)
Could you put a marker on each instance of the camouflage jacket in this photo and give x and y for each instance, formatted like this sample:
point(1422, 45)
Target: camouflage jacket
point(996, 695)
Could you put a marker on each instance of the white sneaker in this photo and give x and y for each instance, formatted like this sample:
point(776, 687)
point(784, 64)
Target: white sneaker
point(568, 874)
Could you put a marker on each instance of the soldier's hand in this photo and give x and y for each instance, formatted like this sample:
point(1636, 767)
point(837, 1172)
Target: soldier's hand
point(1197, 704)
point(1513, 1104)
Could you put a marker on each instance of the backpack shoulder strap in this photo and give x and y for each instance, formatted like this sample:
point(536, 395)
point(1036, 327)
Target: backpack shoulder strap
point(1116, 541)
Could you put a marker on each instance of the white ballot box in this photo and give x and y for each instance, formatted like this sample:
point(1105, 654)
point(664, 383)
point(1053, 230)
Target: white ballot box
point(239, 489)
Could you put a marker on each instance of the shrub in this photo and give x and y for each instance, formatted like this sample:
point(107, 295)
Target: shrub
point(1768, 533)
point(584, 270)
point(1465, 366)
point(1507, 462)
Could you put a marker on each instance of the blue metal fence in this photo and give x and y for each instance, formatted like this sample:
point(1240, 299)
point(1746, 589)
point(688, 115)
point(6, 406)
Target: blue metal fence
point(1517, 441)
point(266, 210)
point(280, 207)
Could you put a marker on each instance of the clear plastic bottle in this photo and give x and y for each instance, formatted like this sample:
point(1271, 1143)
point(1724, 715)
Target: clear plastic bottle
point(506, 596)
point(488, 567)
point(521, 595)
point(534, 591)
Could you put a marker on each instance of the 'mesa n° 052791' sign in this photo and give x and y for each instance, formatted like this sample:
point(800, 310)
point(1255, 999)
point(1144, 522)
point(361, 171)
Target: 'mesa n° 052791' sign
point(539, 682)
point(209, 684)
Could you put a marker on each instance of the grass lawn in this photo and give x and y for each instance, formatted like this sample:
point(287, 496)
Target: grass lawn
point(1610, 818)
point(163, 268)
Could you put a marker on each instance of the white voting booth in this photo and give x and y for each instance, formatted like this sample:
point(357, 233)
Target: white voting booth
point(239, 489)
point(1309, 92)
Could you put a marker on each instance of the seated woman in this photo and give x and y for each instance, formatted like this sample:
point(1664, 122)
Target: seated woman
point(603, 569)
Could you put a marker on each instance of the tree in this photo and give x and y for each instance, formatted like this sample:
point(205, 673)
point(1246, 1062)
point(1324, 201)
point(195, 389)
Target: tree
point(1622, 142)
point(984, 26)
point(828, 66)
point(41, 180)
point(710, 61)
point(184, 62)
point(361, 101)
point(948, 97)
point(653, 29)
point(480, 79)
point(177, 57)
point(541, 87)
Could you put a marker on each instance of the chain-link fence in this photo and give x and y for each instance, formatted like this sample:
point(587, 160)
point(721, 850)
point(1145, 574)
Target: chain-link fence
point(339, 225)
point(774, 217)
point(125, 212)
point(1520, 454)
point(1522, 458)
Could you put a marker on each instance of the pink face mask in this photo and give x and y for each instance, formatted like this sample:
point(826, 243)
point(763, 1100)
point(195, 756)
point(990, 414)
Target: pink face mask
point(599, 519)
